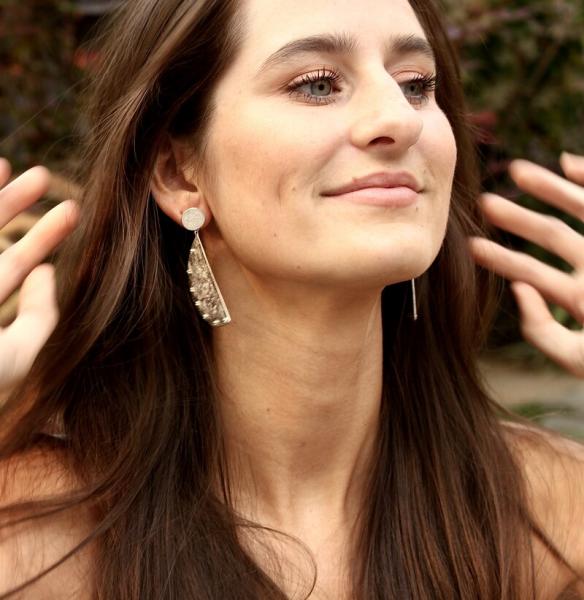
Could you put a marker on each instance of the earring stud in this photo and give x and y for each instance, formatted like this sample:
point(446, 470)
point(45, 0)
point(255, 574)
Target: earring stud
point(203, 286)
point(193, 219)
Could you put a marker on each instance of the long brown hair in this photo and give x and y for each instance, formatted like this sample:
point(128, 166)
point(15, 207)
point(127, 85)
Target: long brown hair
point(128, 373)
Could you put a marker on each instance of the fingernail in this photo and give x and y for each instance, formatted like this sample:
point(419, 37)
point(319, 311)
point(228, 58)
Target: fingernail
point(519, 165)
point(519, 161)
point(569, 157)
point(488, 196)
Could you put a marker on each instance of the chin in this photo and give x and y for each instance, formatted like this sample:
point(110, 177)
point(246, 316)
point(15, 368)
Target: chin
point(394, 262)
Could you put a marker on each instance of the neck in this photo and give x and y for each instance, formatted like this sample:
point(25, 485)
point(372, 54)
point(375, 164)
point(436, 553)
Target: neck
point(300, 393)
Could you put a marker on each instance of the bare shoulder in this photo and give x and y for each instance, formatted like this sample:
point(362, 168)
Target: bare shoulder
point(31, 546)
point(554, 470)
point(554, 467)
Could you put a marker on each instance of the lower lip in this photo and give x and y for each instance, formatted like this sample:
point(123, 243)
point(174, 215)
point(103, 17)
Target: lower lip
point(396, 197)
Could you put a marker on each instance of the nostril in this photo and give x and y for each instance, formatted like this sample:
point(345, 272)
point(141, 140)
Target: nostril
point(383, 141)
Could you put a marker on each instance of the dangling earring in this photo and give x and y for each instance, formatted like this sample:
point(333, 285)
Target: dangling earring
point(415, 305)
point(204, 288)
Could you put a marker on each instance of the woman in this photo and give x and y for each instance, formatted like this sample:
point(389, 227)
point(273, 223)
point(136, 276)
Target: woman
point(322, 432)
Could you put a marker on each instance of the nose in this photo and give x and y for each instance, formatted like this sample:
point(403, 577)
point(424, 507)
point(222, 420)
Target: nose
point(384, 117)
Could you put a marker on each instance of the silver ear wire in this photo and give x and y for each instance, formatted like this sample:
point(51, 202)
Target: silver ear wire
point(414, 302)
point(203, 286)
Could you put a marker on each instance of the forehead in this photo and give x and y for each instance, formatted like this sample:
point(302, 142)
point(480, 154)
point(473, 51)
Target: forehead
point(271, 23)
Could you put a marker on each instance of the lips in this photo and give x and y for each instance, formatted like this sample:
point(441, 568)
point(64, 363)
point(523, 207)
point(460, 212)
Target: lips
point(378, 180)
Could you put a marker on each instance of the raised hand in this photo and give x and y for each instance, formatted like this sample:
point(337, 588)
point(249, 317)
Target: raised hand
point(20, 264)
point(534, 282)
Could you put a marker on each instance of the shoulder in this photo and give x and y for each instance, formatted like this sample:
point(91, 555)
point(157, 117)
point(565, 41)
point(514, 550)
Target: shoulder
point(30, 546)
point(553, 466)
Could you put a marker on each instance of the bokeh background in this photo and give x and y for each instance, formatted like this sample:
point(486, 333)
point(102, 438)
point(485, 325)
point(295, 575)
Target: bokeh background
point(523, 70)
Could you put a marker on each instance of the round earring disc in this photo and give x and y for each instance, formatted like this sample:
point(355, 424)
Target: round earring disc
point(193, 219)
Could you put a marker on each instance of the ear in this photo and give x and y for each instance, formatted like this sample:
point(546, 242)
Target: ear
point(174, 186)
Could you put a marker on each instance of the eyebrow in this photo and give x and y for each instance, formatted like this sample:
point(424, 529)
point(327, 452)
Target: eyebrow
point(343, 43)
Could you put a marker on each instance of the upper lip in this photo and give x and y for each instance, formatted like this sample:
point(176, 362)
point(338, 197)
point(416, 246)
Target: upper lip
point(383, 179)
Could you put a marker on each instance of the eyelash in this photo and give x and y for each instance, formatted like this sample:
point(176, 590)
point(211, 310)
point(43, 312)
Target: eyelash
point(428, 84)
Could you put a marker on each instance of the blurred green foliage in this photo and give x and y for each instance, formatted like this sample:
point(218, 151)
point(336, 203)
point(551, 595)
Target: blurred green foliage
point(39, 82)
point(564, 418)
point(523, 70)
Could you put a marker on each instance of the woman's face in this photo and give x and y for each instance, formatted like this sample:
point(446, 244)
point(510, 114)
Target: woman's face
point(288, 128)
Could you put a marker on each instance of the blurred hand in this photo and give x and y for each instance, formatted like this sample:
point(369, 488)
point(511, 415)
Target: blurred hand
point(534, 282)
point(20, 264)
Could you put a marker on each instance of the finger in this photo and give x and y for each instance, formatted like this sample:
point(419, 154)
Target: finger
point(37, 317)
point(573, 167)
point(540, 329)
point(23, 191)
point(556, 286)
point(19, 259)
point(546, 231)
point(549, 187)
point(5, 171)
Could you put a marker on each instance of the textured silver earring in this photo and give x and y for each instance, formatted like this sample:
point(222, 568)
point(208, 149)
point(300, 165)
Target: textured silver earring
point(204, 288)
point(414, 302)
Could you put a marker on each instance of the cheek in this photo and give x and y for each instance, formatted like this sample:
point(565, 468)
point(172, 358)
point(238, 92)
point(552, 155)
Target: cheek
point(442, 150)
point(263, 142)
point(267, 162)
point(263, 169)
point(439, 149)
point(256, 155)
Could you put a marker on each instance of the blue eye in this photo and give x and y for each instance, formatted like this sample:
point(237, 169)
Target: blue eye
point(418, 89)
point(320, 85)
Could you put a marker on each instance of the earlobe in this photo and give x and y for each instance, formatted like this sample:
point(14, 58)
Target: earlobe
point(174, 203)
point(172, 189)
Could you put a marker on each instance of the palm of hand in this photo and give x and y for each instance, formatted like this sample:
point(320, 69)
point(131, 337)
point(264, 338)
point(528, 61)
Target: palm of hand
point(534, 282)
